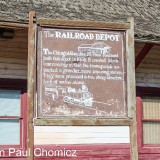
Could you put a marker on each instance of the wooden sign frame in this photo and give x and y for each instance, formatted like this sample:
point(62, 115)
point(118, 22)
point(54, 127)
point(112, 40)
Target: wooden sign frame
point(129, 79)
point(131, 103)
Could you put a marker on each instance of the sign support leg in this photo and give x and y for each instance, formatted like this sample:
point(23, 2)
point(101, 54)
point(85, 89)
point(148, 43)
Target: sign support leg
point(131, 90)
point(30, 91)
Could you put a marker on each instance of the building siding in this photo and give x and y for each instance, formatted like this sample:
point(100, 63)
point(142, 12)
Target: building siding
point(13, 64)
point(13, 56)
point(148, 72)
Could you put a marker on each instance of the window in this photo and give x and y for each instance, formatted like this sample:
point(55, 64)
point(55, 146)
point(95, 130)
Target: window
point(12, 113)
point(151, 120)
point(10, 117)
point(148, 118)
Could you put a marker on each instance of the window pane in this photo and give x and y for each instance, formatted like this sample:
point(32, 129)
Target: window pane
point(9, 103)
point(151, 133)
point(9, 132)
point(151, 107)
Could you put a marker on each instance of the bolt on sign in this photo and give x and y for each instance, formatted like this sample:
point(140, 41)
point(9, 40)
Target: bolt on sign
point(81, 73)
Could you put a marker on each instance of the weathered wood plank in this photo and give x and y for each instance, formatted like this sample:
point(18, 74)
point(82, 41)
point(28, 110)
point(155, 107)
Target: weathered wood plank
point(11, 24)
point(73, 140)
point(7, 66)
point(131, 99)
point(21, 33)
point(63, 135)
point(10, 54)
point(148, 70)
point(148, 80)
point(151, 60)
point(154, 55)
point(130, 70)
point(92, 151)
point(84, 24)
point(13, 76)
point(81, 122)
point(13, 72)
point(16, 39)
point(13, 44)
point(13, 51)
point(81, 129)
point(140, 74)
point(30, 95)
point(13, 60)
point(141, 40)
point(149, 65)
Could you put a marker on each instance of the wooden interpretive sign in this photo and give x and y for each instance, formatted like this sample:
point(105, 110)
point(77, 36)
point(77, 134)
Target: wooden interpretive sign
point(85, 75)
point(81, 73)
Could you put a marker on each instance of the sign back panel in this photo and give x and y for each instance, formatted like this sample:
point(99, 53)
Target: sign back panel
point(81, 73)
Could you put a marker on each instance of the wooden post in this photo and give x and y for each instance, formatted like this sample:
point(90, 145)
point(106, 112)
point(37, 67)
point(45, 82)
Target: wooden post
point(131, 90)
point(30, 95)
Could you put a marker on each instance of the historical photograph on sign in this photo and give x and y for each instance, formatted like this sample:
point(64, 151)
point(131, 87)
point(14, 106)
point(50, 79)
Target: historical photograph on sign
point(81, 73)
